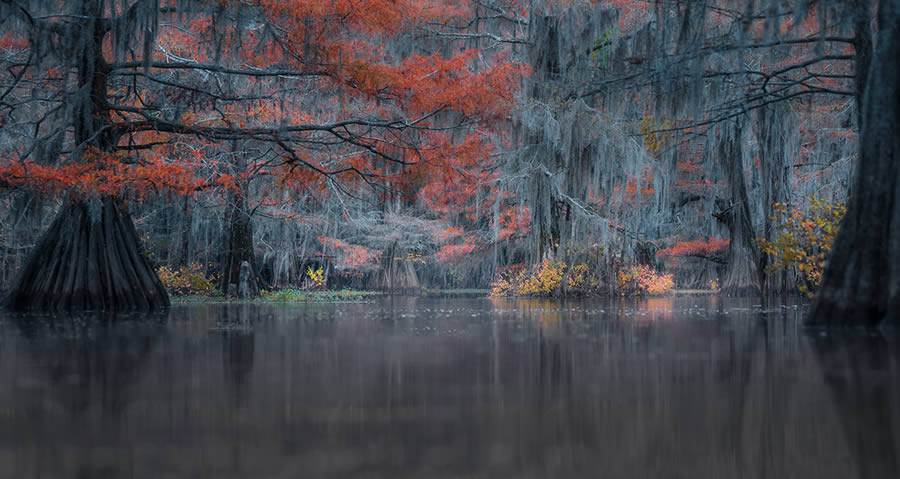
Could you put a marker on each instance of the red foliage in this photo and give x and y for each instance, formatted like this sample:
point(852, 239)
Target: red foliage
point(101, 173)
point(452, 253)
point(447, 234)
point(514, 222)
point(711, 248)
point(353, 74)
point(349, 256)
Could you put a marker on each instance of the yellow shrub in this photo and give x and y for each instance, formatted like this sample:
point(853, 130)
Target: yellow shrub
point(803, 240)
point(187, 280)
point(544, 281)
point(317, 277)
point(502, 287)
point(577, 278)
point(643, 280)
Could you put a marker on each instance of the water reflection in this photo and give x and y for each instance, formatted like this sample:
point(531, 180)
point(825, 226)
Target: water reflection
point(91, 360)
point(81, 372)
point(235, 323)
point(861, 371)
point(419, 387)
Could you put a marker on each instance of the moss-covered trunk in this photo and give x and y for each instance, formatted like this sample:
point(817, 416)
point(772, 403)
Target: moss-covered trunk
point(90, 258)
point(396, 275)
point(742, 274)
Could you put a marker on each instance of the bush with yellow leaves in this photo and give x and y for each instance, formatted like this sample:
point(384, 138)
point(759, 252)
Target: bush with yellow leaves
point(316, 278)
point(187, 280)
point(544, 281)
point(803, 240)
point(550, 278)
point(642, 280)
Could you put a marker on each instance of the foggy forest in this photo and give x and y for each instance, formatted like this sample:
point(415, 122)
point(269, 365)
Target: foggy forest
point(557, 148)
point(450, 238)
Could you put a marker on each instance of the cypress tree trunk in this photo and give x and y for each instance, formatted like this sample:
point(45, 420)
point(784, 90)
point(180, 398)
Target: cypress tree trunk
point(861, 283)
point(89, 260)
point(774, 123)
point(862, 45)
point(239, 236)
point(742, 275)
point(543, 55)
point(395, 275)
point(238, 250)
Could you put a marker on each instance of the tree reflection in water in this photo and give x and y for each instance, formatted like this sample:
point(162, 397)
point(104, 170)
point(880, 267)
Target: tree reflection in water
point(861, 370)
point(83, 370)
point(420, 387)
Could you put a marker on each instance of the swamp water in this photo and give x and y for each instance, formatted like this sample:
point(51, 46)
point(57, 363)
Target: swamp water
point(685, 387)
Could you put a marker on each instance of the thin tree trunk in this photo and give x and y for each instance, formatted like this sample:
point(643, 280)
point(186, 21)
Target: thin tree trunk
point(861, 283)
point(186, 223)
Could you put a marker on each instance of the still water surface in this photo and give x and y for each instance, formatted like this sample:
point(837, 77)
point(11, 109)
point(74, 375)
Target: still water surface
point(689, 387)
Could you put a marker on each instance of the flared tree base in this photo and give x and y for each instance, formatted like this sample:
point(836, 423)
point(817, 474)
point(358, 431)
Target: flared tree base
point(395, 277)
point(85, 263)
point(740, 291)
point(741, 280)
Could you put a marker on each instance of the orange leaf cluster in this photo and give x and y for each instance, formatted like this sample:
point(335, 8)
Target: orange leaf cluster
point(349, 256)
point(709, 248)
point(514, 221)
point(452, 253)
point(101, 173)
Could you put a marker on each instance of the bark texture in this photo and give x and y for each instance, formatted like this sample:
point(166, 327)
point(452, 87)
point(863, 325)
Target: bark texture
point(742, 276)
point(861, 283)
point(774, 125)
point(395, 274)
point(543, 56)
point(89, 262)
point(239, 250)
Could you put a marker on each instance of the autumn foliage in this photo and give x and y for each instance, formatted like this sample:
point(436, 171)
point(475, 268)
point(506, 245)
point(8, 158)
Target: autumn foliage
point(642, 280)
point(713, 249)
point(187, 280)
point(803, 240)
point(545, 279)
point(102, 174)
point(462, 137)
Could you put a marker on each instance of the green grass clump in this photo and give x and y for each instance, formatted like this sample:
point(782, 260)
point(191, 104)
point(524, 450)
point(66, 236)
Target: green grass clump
point(304, 296)
point(289, 295)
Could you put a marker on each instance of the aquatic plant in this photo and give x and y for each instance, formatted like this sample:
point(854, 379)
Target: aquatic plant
point(293, 295)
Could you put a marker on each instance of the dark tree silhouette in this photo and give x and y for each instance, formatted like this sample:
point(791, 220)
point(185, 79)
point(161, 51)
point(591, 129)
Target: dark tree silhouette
point(861, 283)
